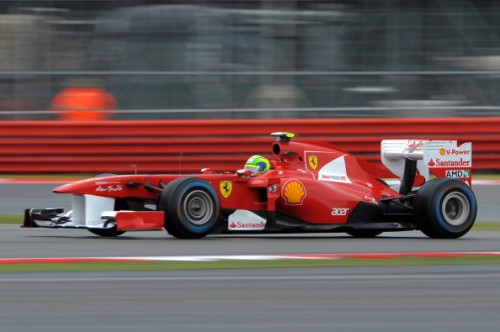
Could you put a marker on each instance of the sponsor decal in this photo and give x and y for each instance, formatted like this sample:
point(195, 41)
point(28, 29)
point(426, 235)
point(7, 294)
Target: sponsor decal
point(247, 226)
point(339, 211)
point(313, 162)
point(414, 145)
point(272, 189)
point(334, 178)
point(294, 192)
point(109, 188)
point(370, 199)
point(98, 183)
point(453, 152)
point(244, 220)
point(465, 173)
point(449, 163)
point(439, 154)
point(226, 187)
point(334, 171)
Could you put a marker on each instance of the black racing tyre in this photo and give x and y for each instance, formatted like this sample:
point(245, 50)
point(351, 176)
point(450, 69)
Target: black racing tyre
point(191, 207)
point(445, 208)
point(364, 233)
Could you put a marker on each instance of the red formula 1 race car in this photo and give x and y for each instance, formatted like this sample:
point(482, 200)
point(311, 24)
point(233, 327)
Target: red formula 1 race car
point(304, 187)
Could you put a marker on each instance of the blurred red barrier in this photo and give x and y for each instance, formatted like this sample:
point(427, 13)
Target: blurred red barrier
point(189, 145)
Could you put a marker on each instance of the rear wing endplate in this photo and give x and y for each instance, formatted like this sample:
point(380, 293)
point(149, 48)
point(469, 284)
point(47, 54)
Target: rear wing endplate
point(443, 159)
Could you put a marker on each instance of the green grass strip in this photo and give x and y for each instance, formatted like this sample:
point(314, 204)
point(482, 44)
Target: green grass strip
point(11, 220)
point(254, 264)
point(486, 227)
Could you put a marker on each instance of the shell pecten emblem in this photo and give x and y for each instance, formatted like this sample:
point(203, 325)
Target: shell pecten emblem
point(294, 192)
point(226, 187)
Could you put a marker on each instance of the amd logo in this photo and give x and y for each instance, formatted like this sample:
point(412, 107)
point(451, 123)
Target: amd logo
point(458, 174)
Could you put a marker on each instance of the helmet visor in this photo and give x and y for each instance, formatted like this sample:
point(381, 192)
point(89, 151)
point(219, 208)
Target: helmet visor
point(251, 167)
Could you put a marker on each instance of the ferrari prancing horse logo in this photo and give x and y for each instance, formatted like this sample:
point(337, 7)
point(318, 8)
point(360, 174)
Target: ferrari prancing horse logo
point(226, 187)
point(313, 162)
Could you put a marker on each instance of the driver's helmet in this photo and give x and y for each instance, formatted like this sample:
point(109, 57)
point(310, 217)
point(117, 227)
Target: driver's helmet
point(257, 164)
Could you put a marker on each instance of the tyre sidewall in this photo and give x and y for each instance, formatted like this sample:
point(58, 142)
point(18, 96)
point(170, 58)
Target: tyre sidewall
point(177, 223)
point(429, 212)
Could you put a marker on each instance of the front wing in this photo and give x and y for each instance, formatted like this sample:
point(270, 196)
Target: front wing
point(95, 212)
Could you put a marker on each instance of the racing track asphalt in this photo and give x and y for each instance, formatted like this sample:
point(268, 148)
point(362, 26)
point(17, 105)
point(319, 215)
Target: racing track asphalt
point(419, 298)
point(385, 299)
point(16, 242)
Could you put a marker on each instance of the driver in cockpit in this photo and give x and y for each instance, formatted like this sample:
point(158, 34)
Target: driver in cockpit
point(257, 164)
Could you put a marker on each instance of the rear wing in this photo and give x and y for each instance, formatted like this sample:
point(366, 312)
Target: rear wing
point(443, 159)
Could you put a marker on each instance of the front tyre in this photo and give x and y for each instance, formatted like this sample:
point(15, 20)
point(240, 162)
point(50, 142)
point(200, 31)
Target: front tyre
point(445, 208)
point(191, 207)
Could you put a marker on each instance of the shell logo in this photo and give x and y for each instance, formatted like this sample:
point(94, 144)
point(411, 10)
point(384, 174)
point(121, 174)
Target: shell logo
point(294, 192)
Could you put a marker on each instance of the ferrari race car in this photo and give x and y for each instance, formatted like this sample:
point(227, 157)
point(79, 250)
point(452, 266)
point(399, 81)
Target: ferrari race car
point(310, 187)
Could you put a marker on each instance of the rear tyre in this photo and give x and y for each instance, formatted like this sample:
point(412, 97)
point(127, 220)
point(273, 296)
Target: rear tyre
point(445, 208)
point(191, 207)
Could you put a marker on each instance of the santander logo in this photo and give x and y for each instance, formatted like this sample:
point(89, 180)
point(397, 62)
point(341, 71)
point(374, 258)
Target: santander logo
point(449, 163)
point(247, 225)
point(442, 154)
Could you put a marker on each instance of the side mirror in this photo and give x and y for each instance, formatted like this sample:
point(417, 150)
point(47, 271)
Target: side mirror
point(244, 172)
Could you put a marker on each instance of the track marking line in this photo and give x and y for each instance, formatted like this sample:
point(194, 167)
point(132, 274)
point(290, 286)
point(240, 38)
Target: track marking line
point(216, 258)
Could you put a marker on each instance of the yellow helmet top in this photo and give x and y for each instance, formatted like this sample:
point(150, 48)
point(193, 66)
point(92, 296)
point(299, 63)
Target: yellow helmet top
point(257, 164)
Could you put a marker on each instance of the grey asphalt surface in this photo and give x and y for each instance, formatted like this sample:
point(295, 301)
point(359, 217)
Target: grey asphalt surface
point(17, 242)
point(449, 298)
point(15, 197)
point(418, 298)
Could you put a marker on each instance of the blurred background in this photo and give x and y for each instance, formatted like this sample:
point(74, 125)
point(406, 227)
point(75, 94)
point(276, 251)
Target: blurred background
point(252, 59)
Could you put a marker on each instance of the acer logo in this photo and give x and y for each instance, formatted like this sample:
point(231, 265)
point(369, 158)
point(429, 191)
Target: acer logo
point(339, 211)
